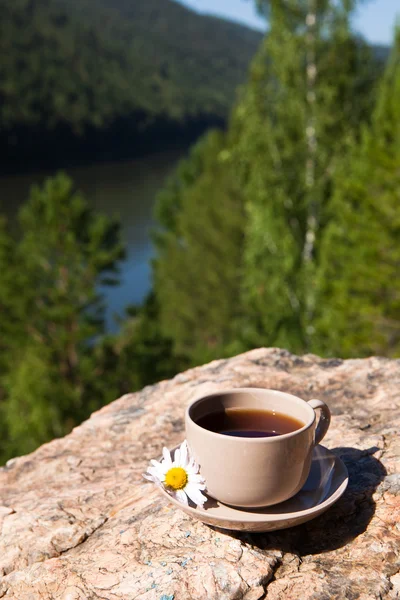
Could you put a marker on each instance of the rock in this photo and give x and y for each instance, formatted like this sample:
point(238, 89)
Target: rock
point(78, 521)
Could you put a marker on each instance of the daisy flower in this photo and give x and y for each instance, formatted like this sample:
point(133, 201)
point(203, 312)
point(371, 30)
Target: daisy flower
point(179, 477)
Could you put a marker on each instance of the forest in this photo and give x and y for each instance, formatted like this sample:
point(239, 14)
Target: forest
point(97, 72)
point(281, 229)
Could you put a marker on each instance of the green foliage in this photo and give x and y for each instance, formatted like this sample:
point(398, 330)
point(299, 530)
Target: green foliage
point(85, 64)
point(7, 271)
point(290, 128)
point(51, 313)
point(138, 355)
point(199, 249)
point(235, 266)
point(32, 412)
point(57, 365)
point(359, 291)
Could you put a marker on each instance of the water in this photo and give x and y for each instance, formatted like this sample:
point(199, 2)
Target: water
point(125, 189)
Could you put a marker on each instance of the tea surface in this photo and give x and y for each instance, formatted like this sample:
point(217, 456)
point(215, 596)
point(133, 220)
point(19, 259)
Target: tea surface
point(249, 422)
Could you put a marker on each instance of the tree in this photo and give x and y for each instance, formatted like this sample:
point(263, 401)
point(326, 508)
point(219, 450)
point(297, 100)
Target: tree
point(305, 99)
point(358, 278)
point(35, 402)
point(138, 355)
point(7, 270)
point(6, 255)
point(267, 183)
point(51, 312)
point(196, 273)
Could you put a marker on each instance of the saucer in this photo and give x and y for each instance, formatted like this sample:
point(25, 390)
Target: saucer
point(326, 482)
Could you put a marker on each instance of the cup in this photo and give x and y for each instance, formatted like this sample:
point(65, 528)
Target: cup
point(254, 472)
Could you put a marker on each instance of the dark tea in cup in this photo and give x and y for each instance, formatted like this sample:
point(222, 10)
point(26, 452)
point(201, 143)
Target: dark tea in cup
point(249, 422)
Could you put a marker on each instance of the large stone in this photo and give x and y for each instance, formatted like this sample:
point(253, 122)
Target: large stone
point(78, 521)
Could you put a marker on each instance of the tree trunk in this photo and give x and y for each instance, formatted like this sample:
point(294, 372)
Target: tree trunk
point(311, 21)
point(310, 167)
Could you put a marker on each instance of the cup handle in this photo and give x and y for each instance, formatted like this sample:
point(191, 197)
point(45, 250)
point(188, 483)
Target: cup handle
point(324, 420)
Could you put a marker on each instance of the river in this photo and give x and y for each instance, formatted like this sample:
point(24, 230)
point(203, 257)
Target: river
point(125, 189)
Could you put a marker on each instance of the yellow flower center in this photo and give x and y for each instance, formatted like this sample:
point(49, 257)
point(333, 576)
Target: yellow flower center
point(176, 478)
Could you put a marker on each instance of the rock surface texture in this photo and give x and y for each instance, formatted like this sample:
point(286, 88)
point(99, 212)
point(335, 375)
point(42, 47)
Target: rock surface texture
point(78, 522)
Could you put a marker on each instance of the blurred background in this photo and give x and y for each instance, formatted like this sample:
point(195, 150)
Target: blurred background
point(184, 181)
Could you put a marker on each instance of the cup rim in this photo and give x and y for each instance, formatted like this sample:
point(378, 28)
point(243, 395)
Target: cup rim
point(247, 440)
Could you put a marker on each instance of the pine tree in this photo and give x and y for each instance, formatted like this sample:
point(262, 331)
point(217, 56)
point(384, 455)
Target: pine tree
point(52, 313)
point(358, 280)
point(305, 99)
point(199, 251)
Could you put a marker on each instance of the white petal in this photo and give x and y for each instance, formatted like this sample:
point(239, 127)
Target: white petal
point(200, 486)
point(195, 478)
point(153, 478)
point(193, 466)
point(177, 457)
point(181, 496)
point(192, 469)
point(155, 463)
point(164, 469)
point(190, 454)
point(167, 456)
point(154, 472)
point(195, 494)
point(184, 456)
